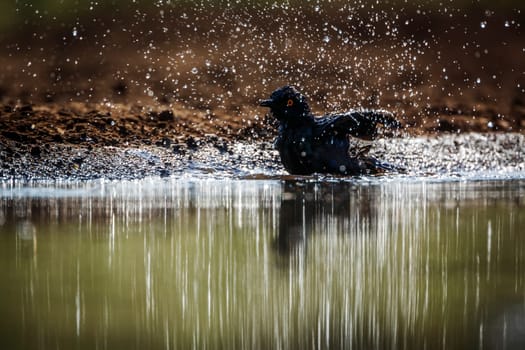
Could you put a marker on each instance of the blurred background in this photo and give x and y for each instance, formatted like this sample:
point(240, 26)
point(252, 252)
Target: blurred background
point(419, 59)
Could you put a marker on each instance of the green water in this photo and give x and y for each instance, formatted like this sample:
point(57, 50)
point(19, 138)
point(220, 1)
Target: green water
point(179, 264)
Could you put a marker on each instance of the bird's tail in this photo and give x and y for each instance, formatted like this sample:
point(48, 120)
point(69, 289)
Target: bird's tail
point(383, 117)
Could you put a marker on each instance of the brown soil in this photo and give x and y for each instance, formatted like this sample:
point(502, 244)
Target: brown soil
point(197, 77)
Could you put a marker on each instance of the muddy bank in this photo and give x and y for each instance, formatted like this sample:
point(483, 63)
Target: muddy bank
point(469, 155)
point(80, 141)
point(157, 92)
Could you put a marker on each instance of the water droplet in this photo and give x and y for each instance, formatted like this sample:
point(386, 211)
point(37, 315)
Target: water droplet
point(326, 39)
point(483, 24)
point(490, 124)
point(148, 75)
point(194, 70)
point(507, 24)
point(478, 80)
point(75, 31)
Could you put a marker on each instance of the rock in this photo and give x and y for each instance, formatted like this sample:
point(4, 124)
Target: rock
point(192, 143)
point(164, 173)
point(164, 142)
point(178, 149)
point(35, 151)
point(166, 116)
point(15, 136)
point(25, 108)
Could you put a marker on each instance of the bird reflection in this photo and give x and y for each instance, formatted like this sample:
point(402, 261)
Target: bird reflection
point(321, 208)
point(296, 214)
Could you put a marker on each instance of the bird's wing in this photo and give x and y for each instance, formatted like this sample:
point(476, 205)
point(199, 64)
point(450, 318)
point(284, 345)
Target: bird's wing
point(362, 124)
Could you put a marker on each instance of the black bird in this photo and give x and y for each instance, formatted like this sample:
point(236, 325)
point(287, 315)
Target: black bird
point(327, 144)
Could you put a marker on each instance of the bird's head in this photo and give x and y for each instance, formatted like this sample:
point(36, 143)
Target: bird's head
point(286, 104)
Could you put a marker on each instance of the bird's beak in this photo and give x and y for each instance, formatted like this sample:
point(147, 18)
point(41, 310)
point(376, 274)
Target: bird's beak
point(266, 103)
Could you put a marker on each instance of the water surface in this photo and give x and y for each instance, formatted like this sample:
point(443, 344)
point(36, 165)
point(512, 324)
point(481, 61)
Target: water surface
point(290, 264)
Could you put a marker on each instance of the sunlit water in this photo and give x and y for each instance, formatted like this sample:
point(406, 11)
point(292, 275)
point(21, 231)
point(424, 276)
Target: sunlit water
point(295, 264)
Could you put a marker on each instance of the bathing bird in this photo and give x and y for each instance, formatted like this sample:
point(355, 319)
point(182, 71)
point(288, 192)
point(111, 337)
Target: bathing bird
point(333, 143)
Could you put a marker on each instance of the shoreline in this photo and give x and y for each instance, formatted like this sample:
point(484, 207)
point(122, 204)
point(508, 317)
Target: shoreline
point(444, 155)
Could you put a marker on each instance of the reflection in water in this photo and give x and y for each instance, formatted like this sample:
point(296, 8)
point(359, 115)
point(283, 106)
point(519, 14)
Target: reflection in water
point(307, 206)
point(263, 264)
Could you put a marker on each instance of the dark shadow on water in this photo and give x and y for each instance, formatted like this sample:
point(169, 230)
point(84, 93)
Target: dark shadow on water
point(308, 208)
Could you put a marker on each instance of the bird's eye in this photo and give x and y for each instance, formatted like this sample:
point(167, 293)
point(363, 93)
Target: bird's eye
point(289, 103)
